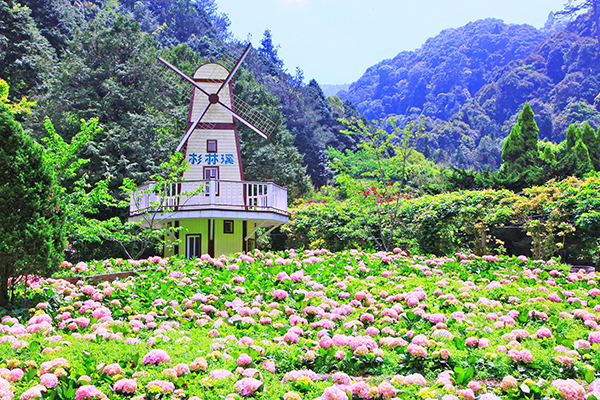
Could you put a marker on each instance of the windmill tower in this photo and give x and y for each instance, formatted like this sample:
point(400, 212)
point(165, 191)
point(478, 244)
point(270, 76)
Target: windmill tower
point(224, 211)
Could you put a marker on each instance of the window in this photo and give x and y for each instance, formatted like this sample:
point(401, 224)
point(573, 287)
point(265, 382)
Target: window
point(211, 146)
point(228, 226)
point(211, 173)
point(192, 247)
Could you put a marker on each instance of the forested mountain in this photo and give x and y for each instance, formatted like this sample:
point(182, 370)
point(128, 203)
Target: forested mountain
point(473, 81)
point(98, 59)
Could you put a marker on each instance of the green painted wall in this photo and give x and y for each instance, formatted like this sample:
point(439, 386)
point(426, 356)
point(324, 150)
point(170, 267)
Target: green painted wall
point(193, 227)
point(225, 243)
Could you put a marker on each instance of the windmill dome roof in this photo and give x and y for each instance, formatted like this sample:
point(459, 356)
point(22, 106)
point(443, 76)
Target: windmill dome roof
point(211, 71)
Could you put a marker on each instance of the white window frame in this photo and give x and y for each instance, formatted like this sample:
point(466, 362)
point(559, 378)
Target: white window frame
point(198, 239)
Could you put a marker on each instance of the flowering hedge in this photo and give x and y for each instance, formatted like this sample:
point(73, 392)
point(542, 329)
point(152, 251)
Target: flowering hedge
point(310, 325)
point(558, 218)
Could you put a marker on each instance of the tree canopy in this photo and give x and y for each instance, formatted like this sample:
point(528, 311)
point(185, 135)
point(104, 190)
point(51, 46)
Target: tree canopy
point(32, 228)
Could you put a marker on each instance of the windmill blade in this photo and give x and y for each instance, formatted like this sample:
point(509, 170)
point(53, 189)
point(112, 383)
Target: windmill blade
point(253, 115)
point(251, 118)
point(184, 76)
point(235, 67)
point(244, 121)
point(192, 127)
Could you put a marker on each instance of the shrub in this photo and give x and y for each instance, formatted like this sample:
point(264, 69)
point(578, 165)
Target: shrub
point(558, 218)
point(32, 233)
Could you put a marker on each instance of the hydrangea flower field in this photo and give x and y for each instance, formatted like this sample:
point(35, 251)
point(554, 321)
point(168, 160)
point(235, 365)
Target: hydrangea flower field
point(309, 325)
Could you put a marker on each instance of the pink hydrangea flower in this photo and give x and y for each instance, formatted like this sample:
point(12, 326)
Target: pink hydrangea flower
point(247, 386)
point(416, 351)
point(293, 376)
point(372, 331)
point(156, 356)
point(125, 386)
point(199, 363)
point(361, 389)
point(489, 396)
point(582, 344)
point(334, 393)
point(219, 374)
point(475, 386)
point(509, 383)
point(325, 342)
point(244, 359)
point(269, 366)
point(594, 337)
point(251, 373)
point(386, 390)
point(182, 369)
point(280, 294)
point(87, 392)
point(544, 333)
point(291, 337)
point(29, 394)
point(466, 394)
point(164, 386)
point(416, 379)
point(569, 389)
point(15, 375)
point(526, 356)
point(112, 369)
point(49, 380)
point(341, 378)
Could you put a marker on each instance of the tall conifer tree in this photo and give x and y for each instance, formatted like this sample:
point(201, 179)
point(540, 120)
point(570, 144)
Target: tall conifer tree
point(520, 146)
point(522, 163)
point(592, 140)
point(32, 234)
point(576, 160)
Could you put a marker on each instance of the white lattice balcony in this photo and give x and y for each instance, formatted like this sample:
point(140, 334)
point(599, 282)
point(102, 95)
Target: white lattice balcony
point(212, 199)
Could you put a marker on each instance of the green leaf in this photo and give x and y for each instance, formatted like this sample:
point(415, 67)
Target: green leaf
point(589, 375)
point(459, 342)
point(34, 347)
point(568, 343)
point(460, 375)
point(469, 373)
point(31, 372)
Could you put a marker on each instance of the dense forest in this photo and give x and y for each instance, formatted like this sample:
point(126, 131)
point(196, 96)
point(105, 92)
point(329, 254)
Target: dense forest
point(473, 81)
point(484, 106)
point(98, 59)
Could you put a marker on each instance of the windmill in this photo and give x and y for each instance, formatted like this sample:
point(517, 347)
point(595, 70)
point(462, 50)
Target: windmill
point(218, 210)
point(212, 108)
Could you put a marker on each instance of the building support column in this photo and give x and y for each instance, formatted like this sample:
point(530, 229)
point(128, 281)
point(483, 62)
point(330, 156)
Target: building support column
point(211, 237)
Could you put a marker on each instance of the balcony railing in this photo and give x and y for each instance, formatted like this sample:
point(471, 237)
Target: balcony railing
point(212, 194)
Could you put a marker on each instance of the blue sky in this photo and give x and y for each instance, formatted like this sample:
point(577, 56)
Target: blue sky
point(335, 41)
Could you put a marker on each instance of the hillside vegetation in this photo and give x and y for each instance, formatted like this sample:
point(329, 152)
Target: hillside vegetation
point(473, 81)
point(109, 115)
point(99, 59)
